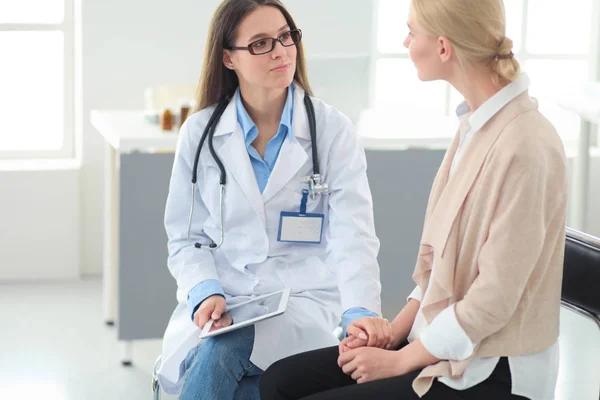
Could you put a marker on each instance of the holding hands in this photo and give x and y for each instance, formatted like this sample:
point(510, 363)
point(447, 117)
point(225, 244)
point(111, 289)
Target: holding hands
point(365, 353)
point(369, 332)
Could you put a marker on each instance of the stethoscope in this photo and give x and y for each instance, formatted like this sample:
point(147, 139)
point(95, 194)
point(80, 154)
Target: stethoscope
point(315, 184)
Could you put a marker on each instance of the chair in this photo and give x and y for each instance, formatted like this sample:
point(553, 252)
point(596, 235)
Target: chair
point(581, 275)
point(155, 384)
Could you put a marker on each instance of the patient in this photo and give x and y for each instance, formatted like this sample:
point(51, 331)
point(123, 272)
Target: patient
point(483, 320)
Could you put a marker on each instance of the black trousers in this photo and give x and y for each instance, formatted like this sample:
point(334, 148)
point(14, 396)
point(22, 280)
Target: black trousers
point(316, 376)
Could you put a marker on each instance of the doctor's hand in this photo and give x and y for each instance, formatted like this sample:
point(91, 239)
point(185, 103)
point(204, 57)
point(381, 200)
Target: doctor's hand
point(376, 332)
point(368, 364)
point(211, 308)
point(222, 322)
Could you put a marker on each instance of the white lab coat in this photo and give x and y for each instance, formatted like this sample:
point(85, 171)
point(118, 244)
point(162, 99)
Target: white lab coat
point(325, 279)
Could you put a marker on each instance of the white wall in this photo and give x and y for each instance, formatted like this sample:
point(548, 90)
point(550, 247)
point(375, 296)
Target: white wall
point(128, 46)
point(39, 234)
point(131, 44)
point(593, 221)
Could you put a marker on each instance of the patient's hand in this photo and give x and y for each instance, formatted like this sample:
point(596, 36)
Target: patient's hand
point(377, 332)
point(368, 364)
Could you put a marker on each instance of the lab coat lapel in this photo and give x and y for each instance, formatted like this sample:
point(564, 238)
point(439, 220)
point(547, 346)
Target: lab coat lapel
point(292, 155)
point(291, 158)
point(237, 161)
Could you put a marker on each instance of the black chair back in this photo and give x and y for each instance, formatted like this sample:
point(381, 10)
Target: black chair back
point(581, 275)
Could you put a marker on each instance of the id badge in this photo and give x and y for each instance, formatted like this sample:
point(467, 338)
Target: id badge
point(300, 227)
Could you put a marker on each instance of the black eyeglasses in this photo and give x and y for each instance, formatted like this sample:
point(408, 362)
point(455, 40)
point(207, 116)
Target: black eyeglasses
point(266, 45)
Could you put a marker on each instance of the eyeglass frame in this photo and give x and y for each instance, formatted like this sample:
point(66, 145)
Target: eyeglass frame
point(274, 41)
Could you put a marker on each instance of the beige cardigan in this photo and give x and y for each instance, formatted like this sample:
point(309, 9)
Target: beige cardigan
point(496, 231)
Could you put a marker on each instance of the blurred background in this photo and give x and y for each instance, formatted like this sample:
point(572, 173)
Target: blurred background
point(84, 166)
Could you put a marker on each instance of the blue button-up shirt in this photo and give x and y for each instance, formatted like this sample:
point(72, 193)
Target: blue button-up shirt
point(262, 166)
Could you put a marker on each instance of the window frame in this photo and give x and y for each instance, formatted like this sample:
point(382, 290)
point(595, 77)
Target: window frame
point(523, 55)
point(67, 27)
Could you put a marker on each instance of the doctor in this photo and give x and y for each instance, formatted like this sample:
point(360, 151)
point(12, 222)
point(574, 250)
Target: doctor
point(254, 57)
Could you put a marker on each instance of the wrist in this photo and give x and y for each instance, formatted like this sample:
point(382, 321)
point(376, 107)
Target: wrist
point(399, 363)
point(415, 356)
point(404, 321)
point(399, 334)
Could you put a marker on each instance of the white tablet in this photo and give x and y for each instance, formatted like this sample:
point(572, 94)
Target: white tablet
point(250, 312)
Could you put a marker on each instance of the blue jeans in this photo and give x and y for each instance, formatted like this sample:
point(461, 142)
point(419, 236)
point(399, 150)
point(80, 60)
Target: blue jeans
point(220, 368)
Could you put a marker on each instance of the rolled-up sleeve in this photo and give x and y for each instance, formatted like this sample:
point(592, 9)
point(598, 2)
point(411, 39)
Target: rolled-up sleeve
point(445, 339)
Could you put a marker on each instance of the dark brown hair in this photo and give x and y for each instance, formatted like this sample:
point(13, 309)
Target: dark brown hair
point(218, 82)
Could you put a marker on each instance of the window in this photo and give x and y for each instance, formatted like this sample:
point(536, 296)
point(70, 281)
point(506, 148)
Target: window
point(551, 41)
point(36, 77)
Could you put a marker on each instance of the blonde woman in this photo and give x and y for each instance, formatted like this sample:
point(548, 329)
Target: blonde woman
point(483, 320)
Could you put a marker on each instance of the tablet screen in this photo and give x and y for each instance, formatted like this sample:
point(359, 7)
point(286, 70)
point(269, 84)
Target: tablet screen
point(250, 312)
point(255, 308)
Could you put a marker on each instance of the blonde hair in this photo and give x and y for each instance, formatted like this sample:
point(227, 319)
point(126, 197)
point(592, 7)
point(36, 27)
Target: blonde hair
point(476, 29)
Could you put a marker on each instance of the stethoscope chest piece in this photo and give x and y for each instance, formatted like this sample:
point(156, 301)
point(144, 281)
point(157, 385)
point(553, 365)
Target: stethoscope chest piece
point(316, 185)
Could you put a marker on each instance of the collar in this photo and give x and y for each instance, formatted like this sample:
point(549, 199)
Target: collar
point(248, 125)
point(228, 122)
point(490, 107)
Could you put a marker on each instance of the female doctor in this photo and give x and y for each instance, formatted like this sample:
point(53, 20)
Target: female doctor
point(254, 60)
